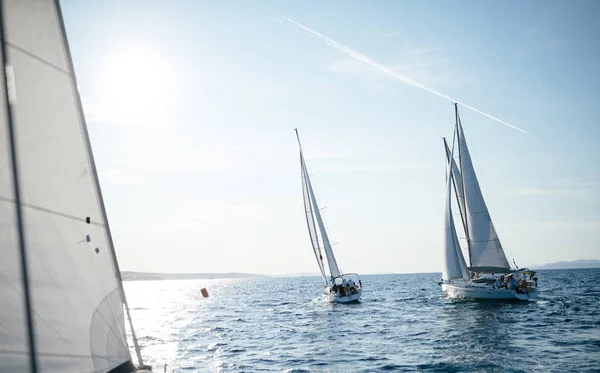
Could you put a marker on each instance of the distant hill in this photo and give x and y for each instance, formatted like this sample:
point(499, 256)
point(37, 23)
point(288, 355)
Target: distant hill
point(582, 263)
point(299, 274)
point(141, 276)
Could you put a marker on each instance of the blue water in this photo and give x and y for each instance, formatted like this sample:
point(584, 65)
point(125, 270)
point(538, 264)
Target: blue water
point(402, 324)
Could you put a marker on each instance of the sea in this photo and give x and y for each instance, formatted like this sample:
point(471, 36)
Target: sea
point(402, 324)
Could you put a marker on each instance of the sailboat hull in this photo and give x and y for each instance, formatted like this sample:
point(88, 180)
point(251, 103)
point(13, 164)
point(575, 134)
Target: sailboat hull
point(331, 297)
point(479, 292)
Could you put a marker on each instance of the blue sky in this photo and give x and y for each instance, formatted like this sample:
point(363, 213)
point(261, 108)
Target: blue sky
point(191, 106)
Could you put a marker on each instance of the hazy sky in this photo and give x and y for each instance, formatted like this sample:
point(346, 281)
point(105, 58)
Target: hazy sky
point(191, 105)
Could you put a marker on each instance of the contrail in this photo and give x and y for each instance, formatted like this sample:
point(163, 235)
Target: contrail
point(386, 70)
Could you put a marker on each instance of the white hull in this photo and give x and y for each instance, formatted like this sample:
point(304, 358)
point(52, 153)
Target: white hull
point(337, 298)
point(476, 291)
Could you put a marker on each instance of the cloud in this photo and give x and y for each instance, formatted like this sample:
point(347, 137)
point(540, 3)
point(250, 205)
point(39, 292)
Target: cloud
point(387, 70)
point(378, 167)
point(542, 192)
point(348, 65)
point(207, 218)
point(569, 188)
point(430, 65)
point(593, 225)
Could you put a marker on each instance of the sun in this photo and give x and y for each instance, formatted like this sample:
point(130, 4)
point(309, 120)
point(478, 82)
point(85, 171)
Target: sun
point(138, 85)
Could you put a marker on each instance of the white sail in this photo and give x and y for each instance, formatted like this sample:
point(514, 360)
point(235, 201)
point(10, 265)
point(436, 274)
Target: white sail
point(454, 261)
point(333, 267)
point(457, 183)
point(332, 263)
point(310, 220)
point(486, 253)
point(75, 291)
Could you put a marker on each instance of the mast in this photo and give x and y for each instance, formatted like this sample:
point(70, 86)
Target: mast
point(17, 192)
point(94, 173)
point(450, 163)
point(334, 270)
point(310, 221)
point(462, 175)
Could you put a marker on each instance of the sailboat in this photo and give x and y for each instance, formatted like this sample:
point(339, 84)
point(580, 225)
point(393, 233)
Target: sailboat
point(488, 274)
point(61, 295)
point(339, 287)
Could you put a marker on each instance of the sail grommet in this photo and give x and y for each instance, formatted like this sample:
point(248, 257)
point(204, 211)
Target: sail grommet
point(87, 220)
point(97, 250)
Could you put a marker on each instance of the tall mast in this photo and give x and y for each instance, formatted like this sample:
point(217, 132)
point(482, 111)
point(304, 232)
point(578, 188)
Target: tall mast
point(462, 176)
point(17, 193)
point(96, 180)
point(450, 162)
point(312, 217)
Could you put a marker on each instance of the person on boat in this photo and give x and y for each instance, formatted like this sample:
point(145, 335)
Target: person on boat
point(353, 288)
point(498, 284)
point(512, 283)
point(522, 286)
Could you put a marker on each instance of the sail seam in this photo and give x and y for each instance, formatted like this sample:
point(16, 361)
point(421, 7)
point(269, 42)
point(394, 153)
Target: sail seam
point(51, 354)
point(50, 211)
point(37, 58)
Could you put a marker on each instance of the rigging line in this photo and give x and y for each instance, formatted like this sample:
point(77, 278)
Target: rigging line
point(50, 211)
point(100, 200)
point(17, 193)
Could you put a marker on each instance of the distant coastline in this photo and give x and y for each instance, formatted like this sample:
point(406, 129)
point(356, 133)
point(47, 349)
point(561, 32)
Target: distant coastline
point(151, 276)
point(148, 276)
point(581, 263)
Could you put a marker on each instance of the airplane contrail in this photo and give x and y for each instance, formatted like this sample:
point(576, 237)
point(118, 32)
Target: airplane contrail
point(386, 70)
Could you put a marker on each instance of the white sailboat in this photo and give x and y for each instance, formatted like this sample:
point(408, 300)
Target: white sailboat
point(61, 295)
point(341, 288)
point(488, 275)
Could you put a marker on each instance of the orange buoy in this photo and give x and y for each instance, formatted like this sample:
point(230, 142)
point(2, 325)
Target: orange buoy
point(204, 292)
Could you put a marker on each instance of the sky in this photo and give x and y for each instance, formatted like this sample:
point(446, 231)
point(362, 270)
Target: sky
point(191, 107)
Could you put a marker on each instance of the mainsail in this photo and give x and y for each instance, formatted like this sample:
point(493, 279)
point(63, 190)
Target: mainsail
point(457, 183)
point(310, 220)
point(61, 308)
point(485, 250)
point(454, 261)
point(312, 212)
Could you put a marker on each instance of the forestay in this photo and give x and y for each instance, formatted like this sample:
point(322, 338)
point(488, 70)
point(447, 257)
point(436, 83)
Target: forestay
point(75, 290)
point(485, 249)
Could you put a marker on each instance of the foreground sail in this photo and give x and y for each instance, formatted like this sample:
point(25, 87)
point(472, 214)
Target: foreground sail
point(488, 275)
point(61, 304)
point(339, 287)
